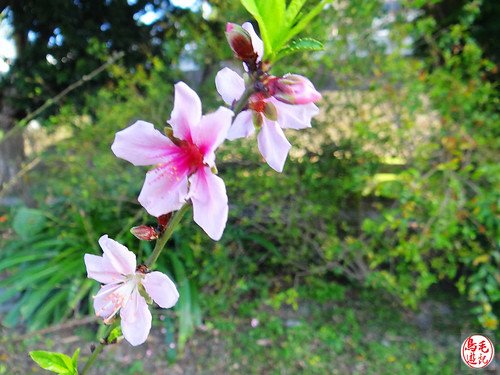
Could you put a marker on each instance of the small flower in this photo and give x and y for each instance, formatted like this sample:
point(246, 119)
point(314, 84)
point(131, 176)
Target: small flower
point(265, 113)
point(293, 89)
point(184, 161)
point(125, 287)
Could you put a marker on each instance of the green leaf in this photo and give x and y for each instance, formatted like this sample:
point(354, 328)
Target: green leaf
point(305, 20)
point(252, 8)
point(12, 318)
point(46, 312)
point(277, 23)
point(273, 15)
point(187, 308)
point(74, 358)
point(114, 335)
point(300, 45)
point(293, 10)
point(28, 221)
point(55, 362)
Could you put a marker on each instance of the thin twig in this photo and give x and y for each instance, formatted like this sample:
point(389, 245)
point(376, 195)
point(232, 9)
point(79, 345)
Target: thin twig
point(55, 328)
point(51, 101)
point(161, 242)
point(99, 348)
point(25, 169)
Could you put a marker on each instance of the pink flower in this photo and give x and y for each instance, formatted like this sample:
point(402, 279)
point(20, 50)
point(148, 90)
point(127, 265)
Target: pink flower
point(183, 162)
point(293, 89)
point(266, 113)
point(124, 289)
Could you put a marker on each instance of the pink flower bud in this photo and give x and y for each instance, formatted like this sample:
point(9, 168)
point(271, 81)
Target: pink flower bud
point(293, 89)
point(144, 232)
point(240, 42)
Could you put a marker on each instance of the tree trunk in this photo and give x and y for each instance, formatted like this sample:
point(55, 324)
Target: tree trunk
point(12, 148)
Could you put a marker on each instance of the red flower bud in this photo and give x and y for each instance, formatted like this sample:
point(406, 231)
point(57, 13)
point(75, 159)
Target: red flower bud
point(164, 219)
point(240, 42)
point(293, 89)
point(144, 232)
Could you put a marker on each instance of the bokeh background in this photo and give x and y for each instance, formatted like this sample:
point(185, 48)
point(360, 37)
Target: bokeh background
point(375, 252)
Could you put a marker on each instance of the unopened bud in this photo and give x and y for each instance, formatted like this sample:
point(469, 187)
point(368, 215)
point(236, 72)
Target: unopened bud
point(164, 219)
point(293, 89)
point(257, 120)
point(270, 111)
point(144, 232)
point(240, 42)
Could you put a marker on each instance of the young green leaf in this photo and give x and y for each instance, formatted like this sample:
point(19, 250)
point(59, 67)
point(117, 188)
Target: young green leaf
point(273, 14)
point(300, 45)
point(279, 23)
point(74, 358)
point(114, 335)
point(253, 9)
point(293, 10)
point(305, 20)
point(55, 362)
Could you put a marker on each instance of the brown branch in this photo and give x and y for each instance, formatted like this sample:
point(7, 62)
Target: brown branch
point(116, 56)
point(58, 327)
point(25, 169)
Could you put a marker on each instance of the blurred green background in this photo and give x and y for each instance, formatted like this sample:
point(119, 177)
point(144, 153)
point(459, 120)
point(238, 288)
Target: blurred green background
point(375, 252)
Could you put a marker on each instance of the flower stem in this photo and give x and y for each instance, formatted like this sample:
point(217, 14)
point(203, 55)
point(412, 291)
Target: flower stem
point(242, 102)
point(160, 243)
point(98, 349)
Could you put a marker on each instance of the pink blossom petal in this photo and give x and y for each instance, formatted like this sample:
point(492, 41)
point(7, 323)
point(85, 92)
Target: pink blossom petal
point(101, 270)
point(208, 194)
point(229, 85)
point(211, 132)
point(186, 112)
point(295, 116)
point(142, 144)
point(242, 126)
point(293, 89)
point(110, 299)
point(118, 256)
point(136, 319)
point(273, 145)
point(165, 189)
point(161, 289)
point(258, 44)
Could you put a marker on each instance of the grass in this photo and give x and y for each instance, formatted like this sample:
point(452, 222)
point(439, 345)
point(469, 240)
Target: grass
point(353, 333)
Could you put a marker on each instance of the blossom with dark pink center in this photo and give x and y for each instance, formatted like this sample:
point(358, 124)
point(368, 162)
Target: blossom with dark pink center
point(184, 162)
point(124, 289)
point(279, 102)
point(266, 113)
point(293, 89)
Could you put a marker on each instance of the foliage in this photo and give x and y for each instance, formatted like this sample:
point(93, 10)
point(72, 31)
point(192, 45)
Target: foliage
point(56, 362)
point(333, 338)
point(54, 50)
point(279, 22)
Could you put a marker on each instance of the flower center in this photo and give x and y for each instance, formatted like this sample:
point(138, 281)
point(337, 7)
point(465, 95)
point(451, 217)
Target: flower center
point(257, 103)
point(193, 156)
